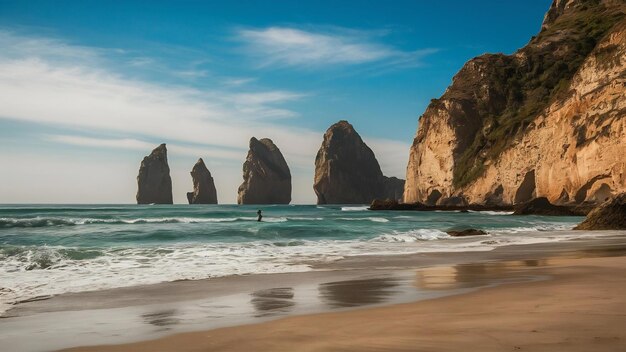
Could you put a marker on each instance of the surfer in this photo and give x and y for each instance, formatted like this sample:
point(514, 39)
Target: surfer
point(259, 213)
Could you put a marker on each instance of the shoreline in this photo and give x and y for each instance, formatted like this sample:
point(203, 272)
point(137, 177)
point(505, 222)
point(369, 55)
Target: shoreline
point(340, 269)
point(148, 312)
point(579, 308)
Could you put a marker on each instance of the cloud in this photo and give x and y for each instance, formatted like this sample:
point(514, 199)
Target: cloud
point(296, 47)
point(135, 144)
point(72, 90)
point(236, 82)
point(55, 50)
point(392, 155)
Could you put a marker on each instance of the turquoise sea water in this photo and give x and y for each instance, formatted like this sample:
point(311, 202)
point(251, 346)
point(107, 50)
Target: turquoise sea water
point(51, 249)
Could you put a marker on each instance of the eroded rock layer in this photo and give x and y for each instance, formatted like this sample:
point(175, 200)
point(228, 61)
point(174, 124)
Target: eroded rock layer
point(203, 185)
point(347, 172)
point(266, 175)
point(548, 121)
point(154, 182)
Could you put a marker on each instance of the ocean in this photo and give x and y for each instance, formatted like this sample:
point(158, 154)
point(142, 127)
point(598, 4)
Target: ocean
point(52, 249)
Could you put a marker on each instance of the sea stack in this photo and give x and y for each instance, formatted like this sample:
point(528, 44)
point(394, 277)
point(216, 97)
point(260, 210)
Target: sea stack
point(203, 186)
point(266, 176)
point(547, 121)
point(154, 181)
point(347, 172)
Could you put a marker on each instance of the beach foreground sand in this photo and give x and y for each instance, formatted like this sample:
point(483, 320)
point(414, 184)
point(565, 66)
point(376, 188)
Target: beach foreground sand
point(581, 307)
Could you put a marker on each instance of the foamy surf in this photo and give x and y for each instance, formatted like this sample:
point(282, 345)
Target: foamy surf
point(48, 250)
point(359, 208)
point(43, 222)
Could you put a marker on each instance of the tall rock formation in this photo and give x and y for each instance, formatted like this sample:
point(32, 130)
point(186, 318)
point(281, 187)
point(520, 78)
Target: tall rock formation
point(266, 176)
point(347, 172)
point(547, 121)
point(154, 181)
point(203, 186)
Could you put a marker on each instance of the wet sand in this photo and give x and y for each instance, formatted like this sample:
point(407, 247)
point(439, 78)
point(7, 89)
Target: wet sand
point(369, 293)
point(582, 307)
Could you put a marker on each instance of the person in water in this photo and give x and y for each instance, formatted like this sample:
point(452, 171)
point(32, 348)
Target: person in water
point(259, 213)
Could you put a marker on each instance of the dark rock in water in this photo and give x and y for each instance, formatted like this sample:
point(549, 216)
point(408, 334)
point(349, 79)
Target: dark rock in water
point(347, 172)
point(542, 206)
point(154, 181)
point(203, 186)
point(465, 233)
point(455, 201)
point(266, 175)
point(610, 215)
point(391, 204)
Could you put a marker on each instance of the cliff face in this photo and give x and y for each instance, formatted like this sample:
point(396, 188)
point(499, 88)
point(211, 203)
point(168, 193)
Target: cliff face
point(266, 176)
point(548, 121)
point(347, 172)
point(203, 186)
point(154, 182)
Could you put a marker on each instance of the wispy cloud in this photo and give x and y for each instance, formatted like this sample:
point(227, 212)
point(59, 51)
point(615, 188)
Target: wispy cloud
point(51, 83)
point(286, 46)
point(135, 144)
point(238, 81)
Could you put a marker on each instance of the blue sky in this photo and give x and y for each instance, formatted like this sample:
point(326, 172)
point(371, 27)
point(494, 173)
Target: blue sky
point(89, 87)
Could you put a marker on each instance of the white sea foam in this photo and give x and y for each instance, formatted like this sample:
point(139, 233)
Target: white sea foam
point(534, 228)
point(58, 221)
point(371, 218)
point(492, 212)
point(303, 218)
point(29, 272)
point(413, 236)
point(353, 208)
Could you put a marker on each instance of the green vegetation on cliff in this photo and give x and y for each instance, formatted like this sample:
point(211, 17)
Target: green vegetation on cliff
point(511, 91)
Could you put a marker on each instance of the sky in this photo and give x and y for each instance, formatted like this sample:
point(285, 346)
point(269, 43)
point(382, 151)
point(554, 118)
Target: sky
point(88, 88)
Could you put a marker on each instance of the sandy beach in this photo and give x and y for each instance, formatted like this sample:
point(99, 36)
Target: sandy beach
point(565, 301)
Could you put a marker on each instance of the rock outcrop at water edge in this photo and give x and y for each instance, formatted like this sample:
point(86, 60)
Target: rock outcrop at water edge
point(266, 175)
point(347, 172)
point(154, 182)
point(203, 186)
point(610, 215)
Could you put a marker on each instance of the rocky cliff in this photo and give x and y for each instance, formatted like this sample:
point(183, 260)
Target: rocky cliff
point(203, 186)
point(154, 182)
point(347, 172)
point(548, 121)
point(266, 176)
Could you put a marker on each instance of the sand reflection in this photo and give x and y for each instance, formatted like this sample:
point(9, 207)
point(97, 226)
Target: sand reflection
point(161, 318)
point(472, 275)
point(355, 293)
point(272, 301)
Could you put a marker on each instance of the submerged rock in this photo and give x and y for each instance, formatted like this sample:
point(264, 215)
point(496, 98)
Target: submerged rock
point(154, 182)
point(541, 206)
point(347, 172)
point(465, 233)
point(203, 186)
point(266, 175)
point(610, 215)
